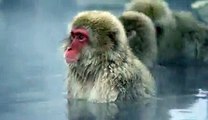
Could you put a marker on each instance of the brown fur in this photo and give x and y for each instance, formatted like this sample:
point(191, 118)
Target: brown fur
point(194, 34)
point(164, 23)
point(179, 35)
point(107, 70)
point(143, 43)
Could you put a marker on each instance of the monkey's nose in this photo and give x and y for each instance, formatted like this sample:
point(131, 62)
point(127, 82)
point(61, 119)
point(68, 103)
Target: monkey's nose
point(69, 48)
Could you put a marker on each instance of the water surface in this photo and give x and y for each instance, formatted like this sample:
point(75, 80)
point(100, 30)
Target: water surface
point(33, 72)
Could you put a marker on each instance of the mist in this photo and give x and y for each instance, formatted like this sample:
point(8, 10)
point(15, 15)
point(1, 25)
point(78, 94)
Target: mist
point(32, 68)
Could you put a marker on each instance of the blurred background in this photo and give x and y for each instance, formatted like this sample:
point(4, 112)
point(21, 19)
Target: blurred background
point(32, 68)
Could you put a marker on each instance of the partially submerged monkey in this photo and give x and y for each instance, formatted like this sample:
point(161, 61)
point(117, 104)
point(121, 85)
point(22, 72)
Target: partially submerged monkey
point(164, 22)
point(102, 68)
point(194, 35)
point(180, 37)
point(141, 36)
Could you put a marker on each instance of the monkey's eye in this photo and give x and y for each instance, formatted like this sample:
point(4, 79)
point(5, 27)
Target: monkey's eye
point(80, 37)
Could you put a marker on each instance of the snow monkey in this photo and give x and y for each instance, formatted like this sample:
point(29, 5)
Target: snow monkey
point(180, 37)
point(101, 66)
point(194, 34)
point(141, 36)
point(164, 22)
point(158, 11)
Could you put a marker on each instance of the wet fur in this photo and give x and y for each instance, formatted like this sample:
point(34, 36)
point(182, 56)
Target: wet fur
point(107, 70)
point(143, 43)
point(194, 35)
point(164, 22)
point(180, 37)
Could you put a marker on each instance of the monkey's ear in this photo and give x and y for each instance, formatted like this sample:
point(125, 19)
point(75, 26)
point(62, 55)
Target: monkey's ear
point(113, 35)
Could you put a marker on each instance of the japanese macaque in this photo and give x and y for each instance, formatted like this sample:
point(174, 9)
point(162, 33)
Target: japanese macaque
point(194, 34)
point(101, 66)
point(158, 11)
point(164, 22)
point(141, 36)
point(180, 37)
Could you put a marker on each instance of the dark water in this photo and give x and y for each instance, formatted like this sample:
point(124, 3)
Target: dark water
point(32, 70)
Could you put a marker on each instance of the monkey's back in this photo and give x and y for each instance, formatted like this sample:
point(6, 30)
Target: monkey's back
point(143, 43)
point(140, 82)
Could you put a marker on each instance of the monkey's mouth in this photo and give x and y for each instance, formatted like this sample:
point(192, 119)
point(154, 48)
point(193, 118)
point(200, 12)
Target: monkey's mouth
point(71, 56)
point(71, 60)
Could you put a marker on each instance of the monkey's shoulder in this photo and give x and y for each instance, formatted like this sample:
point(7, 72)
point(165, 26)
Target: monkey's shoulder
point(132, 71)
point(134, 81)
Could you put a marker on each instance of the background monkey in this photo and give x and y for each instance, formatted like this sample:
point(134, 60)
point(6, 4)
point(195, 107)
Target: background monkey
point(141, 35)
point(182, 45)
point(158, 11)
point(180, 36)
point(101, 66)
point(194, 35)
point(164, 22)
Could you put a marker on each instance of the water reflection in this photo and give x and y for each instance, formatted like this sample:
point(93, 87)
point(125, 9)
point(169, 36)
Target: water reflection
point(82, 110)
point(174, 80)
point(166, 108)
point(196, 111)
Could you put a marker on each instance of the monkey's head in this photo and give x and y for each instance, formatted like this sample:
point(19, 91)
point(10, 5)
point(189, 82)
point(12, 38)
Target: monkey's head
point(93, 33)
point(194, 35)
point(155, 10)
point(131, 21)
point(135, 23)
point(158, 11)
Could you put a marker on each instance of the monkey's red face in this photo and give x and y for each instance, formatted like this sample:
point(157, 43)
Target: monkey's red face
point(79, 39)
